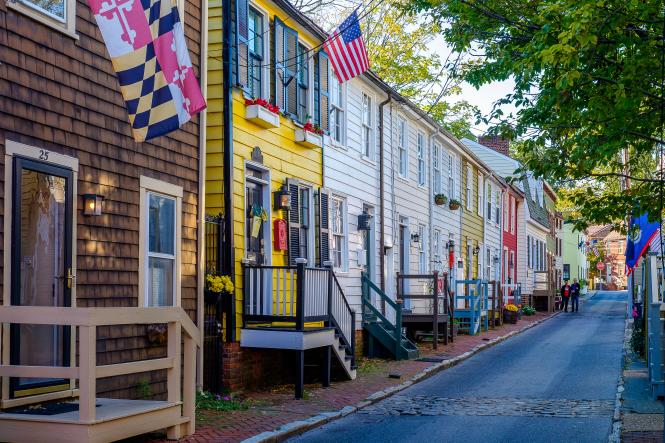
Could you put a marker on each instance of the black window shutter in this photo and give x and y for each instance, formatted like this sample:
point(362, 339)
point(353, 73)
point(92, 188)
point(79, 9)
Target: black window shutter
point(324, 96)
point(294, 221)
point(279, 72)
point(242, 45)
point(291, 71)
point(324, 226)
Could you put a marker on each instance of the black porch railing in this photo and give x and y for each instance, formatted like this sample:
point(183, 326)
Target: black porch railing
point(426, 298)
point(297, 294)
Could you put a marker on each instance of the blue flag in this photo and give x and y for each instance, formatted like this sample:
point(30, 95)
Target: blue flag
point(639, 239)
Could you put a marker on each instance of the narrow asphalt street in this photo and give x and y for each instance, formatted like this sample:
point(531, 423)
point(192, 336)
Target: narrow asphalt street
point(553, 383)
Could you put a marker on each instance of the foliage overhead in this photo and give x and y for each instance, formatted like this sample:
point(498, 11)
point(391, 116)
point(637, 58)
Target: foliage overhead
point(587, 77)
point(399, 45)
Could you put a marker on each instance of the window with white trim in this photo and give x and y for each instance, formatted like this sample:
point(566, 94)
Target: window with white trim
point(506, 205)
point(402, 140)
point(436, 164)
point(422, 252)
point(339, 246)
point(513, 214)
point(303, 82)
point(337, 124)
point(469, 188)
point(479, 206)
point(436, 247)
point(160, 235)
point(256, 53)
point(421, 159)
point(497, 208)
point(58, 14)
point(452, 192)
point(367, 127)
point(488, 264)
point(489, 202)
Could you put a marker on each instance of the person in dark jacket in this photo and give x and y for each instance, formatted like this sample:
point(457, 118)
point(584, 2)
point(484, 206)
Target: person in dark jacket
point(575, 294)
point(565, 296)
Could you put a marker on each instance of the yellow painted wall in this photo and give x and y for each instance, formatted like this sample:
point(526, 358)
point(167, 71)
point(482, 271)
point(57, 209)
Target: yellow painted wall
point(472, 223)
point(281, 154)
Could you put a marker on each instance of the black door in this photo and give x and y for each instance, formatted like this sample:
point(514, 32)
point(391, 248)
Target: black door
point(42, 272)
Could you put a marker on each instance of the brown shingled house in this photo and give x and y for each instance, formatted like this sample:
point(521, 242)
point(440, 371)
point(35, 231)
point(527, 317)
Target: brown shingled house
point(100, 235)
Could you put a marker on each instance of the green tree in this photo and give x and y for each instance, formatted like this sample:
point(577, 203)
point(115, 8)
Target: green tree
point(588, 91)
point(399, 45)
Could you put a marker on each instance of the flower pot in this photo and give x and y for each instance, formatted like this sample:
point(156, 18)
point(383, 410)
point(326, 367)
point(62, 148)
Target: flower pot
point(440, 200)
point(453, 206)
point(510, 316)
point(261, 116)
point(309, 139)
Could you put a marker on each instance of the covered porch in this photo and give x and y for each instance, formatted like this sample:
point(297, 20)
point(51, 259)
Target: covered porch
point(94, 419)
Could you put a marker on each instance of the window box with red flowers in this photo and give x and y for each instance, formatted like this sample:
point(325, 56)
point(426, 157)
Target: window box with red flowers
point(262, 113)
point(310, 135)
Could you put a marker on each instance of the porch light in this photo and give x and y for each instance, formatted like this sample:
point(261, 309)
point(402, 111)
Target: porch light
point(282, 199)
point(451, 246)
point(92, 204)
point(415, 238)
point(364, 220)
point(476, 250)
point(496, 259)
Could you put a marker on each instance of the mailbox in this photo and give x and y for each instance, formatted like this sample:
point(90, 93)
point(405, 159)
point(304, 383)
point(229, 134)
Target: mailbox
point(279, 235)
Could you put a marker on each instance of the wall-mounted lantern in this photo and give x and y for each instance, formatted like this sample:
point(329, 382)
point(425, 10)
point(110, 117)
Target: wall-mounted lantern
point(496, 259)
point(476, 250)
point(364, 222)
point(92, 204)
point(415, 238)
point(282, 199)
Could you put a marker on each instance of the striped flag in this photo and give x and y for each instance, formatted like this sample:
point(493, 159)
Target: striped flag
point(346, 50)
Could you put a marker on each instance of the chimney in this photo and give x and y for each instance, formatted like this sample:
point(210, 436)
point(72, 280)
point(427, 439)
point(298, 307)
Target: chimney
point(497, 143)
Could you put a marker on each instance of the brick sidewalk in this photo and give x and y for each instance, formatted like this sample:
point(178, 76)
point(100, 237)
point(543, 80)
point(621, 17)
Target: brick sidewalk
point(277, 407)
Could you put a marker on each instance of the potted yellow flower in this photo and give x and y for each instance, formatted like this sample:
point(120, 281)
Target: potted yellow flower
point(511, 313)
point(219, 284)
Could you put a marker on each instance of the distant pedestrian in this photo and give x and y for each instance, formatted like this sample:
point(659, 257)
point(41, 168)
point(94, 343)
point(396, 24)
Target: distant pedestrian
point(575, 294)
point(565, 296)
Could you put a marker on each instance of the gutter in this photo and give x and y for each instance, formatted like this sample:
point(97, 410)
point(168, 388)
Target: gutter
point(382, 221)
point(228, 254)
point(203, 118)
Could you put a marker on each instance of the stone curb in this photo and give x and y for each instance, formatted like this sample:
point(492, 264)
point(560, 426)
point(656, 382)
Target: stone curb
point(615, 433)
point(300, 426)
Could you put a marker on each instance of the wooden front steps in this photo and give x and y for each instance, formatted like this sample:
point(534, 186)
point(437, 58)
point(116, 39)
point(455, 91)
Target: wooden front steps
point(115, 420)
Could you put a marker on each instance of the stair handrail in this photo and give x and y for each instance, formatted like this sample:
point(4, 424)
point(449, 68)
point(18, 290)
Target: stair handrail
point(350, 342)
point(367, 284)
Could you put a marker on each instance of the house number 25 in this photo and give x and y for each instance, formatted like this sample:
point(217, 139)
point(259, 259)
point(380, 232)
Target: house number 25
point(43, 155)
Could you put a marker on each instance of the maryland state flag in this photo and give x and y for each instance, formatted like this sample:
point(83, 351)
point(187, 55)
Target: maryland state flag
point(146, 42)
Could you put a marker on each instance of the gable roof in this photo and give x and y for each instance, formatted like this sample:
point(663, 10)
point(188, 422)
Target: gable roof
point(536, 212)
point(502, 164)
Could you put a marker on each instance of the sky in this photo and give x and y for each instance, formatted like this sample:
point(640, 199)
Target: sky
point(482, 98)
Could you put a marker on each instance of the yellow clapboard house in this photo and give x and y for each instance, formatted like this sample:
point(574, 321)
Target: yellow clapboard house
point(264, 174)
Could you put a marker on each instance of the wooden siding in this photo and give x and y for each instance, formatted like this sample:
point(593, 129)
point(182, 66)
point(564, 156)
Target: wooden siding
point(472, 223)
point(354, 177)
point(510, 238)
point(412, 200)
point(443, 218)
point(492, 229)
point(61, 94)
point(281, 154)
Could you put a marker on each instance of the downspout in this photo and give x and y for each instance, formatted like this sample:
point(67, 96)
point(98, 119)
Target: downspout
point(382, 211)
point(430, 197)
point(200, 280)
point(228, 254)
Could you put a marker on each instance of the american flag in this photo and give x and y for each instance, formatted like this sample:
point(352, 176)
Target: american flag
point(346, 50)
